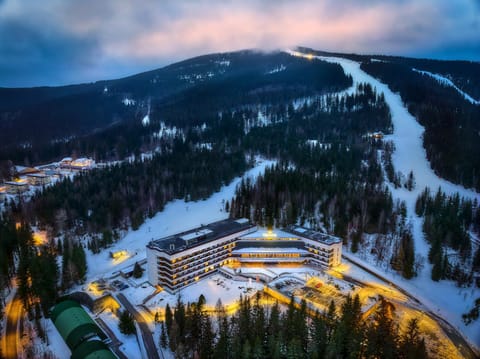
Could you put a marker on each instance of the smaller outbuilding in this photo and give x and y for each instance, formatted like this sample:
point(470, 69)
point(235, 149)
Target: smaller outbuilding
point(93, 349)
point(17, 186)
point(38, 179)
point(82, 335)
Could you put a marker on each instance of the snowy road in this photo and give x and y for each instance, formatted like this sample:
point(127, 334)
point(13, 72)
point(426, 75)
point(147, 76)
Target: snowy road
point(453, 334)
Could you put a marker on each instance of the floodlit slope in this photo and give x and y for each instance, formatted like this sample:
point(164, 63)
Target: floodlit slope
point(444, 81)
point(409, 153)
point(443, 297)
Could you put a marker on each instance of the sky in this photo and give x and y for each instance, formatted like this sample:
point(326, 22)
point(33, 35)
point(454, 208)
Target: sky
point(56, 42)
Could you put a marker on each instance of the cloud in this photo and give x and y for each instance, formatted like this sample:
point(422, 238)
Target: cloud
point(110, 38)
point(28, 54)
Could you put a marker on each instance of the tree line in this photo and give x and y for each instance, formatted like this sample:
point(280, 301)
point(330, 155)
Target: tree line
point(451, 123)
point(447, 222)
point(257, 330)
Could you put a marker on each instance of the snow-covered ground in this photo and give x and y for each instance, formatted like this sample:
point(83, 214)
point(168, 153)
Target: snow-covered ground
point(176, 217)
point(213, 288)
point(447, 82)
point(129, 345)
point(443, 297)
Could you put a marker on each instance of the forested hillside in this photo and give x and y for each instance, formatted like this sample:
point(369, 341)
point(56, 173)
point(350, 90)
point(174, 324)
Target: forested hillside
point(450, 120)
point(104, 120)
point(451, 123)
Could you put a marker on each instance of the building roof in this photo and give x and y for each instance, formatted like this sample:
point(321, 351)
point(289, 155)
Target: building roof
point(21, 182)
point(37, 175)
point(22, 170)
point(200, 235)
point(292, 232)
point(313, 235)
point(74, 324)
point(92, 349)
point(270, 234)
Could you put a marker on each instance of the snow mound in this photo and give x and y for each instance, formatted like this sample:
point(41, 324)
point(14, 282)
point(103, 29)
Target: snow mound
point(146, 120)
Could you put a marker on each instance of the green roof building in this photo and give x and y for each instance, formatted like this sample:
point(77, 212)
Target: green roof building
point(93, 349)
point(76, 327)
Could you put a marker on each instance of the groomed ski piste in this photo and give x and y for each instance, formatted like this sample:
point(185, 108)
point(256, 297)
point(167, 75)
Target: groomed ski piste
point(443, 297)
point(447, 82)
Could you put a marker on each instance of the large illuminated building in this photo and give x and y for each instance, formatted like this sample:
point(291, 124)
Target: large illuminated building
point(181, 259)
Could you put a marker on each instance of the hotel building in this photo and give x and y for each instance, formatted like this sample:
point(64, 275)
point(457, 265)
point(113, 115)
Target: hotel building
point(176, 261)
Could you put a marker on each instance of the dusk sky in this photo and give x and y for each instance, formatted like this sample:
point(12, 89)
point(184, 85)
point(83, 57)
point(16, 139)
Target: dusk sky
point(54, 42)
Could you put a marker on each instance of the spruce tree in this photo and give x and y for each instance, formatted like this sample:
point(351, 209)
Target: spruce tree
point(382, 332)
point(163, 336)
point(126, 323)
point(168, 317)
point(137, 270)
point(412, 345)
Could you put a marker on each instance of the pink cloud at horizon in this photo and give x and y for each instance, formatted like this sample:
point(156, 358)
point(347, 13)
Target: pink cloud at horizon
point(41, 42)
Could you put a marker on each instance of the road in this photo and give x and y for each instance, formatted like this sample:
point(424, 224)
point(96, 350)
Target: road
point(14, 313)
point(115, 342)
point(453, 334)
point(147, 336)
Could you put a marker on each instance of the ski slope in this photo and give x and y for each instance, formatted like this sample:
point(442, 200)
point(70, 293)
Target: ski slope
point(447, 82)
point(409, 155)
point(177, 216)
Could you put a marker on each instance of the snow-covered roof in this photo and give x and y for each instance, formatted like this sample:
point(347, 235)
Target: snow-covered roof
point(197, 236)
point(314, 235)
point(264, 233)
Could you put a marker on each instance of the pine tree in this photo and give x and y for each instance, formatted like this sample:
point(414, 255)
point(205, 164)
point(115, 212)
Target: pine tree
point(126, 323)
point(168, 317)
point(66, 269)
point(246, 350)
point(473, 314)
point(330, 319)
point(163, 336)
point(319, 341)
point(222, 345)
point(79, 261)
point(179, 317)
point(410, 184)
point(356, 237)
point(348, 333)
point(206, 338)
point(437, 269)
point(476, 261)
point(412, 345)
point(382, 332)
point(137, 271)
